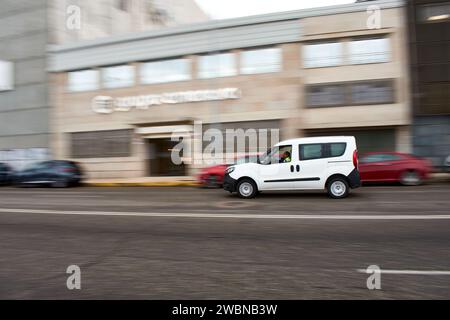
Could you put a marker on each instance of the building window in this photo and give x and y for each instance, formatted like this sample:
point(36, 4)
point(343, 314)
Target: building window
point(369, 51)
point(217, 65)
point(83, 80)
point(117, 76)
point(261, 61)
point(372, 92)
point(322, 54)
point(165, 71)
point(101, 144)
point(434, 12)
point(353, 93)
point(325, 95)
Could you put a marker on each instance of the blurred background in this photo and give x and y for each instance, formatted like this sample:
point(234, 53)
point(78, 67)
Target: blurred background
point(378, 70)
point(92, 91)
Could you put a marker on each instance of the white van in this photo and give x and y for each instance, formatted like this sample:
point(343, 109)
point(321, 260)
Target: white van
point(318, 163)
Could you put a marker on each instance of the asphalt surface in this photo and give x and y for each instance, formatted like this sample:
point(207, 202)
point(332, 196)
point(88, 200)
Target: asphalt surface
point(190, 243)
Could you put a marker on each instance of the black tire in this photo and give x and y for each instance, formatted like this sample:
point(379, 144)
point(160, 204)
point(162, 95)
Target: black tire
point(338, 188)
point(247, 189)
point(411, 178)
point(60, 184)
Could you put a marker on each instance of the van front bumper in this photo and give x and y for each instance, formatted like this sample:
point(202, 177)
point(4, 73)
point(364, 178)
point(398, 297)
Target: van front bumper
point(354, 179)
point(229, 184)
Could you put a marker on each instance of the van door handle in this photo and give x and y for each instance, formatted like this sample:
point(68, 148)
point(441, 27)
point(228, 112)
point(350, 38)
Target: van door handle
point(292, 168)
point(298, 168)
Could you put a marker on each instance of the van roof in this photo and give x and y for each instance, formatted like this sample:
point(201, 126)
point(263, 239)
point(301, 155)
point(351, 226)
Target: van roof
point(318, 140)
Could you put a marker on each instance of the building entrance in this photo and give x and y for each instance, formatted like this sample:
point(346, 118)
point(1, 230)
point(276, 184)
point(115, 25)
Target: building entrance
point(159, 158)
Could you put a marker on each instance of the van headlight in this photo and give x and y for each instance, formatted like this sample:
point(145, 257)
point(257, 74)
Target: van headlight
point(229, 170)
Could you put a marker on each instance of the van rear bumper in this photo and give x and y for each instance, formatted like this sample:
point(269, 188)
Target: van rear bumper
point(354, 179)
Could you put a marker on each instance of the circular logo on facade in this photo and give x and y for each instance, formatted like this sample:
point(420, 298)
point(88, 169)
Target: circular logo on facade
point(103, 104)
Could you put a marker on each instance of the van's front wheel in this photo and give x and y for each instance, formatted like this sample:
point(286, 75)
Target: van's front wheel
point(338, 188)
point(247, 189)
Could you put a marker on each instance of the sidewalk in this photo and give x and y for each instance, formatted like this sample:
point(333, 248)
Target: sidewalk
point(186, 181)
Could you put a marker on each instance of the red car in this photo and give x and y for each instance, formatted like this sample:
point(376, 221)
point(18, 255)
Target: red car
point(212, 177)
point(394, 167)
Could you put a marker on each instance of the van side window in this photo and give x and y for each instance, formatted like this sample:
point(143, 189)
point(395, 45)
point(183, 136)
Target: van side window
point(311, 151)
point(337, 149)
point(321, 150)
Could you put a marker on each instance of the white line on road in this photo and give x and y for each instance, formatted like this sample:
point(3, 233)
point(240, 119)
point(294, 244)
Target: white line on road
point(411, 272)
point(228, 215)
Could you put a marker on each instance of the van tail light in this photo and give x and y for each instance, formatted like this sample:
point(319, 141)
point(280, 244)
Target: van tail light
point(355, 159)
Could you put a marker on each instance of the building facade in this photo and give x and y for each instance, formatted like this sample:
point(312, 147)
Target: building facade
point(28, 27)
point(24, 100)
point(429, 25)
point(308, 72)
point(102, 18)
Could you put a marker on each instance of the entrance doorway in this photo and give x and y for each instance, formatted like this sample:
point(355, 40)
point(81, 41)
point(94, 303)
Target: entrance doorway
point(160, 162)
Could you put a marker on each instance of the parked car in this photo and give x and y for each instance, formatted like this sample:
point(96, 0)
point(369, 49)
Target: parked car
point(317, 163)
point(54, 173)
point(6, 174)
point(212, 177)
point(394, 167)
point(447, 164)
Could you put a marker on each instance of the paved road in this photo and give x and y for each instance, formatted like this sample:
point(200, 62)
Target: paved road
point(188, 243)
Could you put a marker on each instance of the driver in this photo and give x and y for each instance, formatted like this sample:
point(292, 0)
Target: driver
point(286, 157)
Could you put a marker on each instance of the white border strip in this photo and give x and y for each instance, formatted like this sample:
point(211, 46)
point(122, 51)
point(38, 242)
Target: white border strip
point(409, 272)
point(227, 215)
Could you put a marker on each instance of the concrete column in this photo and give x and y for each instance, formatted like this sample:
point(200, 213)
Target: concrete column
point(403, 139)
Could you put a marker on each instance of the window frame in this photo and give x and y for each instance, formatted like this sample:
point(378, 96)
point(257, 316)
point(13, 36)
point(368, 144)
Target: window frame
point(347, 88)
point(276, 68)
point(349, 54)
point(95, 144)
point(96, 72)
point(199, 71)
point(326, 150)
point(188, 75)
point(127, 85)
point(420, 13)
point(341, 56)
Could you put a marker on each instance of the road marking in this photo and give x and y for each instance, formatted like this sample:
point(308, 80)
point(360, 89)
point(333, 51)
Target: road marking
point(229, 215)
point(411, 272)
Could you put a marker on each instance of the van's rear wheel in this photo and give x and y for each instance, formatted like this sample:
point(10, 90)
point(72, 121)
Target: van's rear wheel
point(338, 188)
point(247, 189)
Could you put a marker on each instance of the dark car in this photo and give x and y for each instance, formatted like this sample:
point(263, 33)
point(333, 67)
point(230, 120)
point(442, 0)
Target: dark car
point(54, 173)
point(394, 167)
point(6, 174)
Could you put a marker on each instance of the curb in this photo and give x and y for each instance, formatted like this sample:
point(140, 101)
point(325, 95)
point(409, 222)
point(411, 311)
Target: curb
point(141, 184)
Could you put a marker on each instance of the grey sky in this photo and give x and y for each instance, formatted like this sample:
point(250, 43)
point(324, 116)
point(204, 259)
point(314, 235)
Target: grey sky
point(222, 9)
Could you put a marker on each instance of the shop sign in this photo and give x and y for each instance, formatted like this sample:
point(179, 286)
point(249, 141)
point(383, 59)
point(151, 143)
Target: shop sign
point(107, 104)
